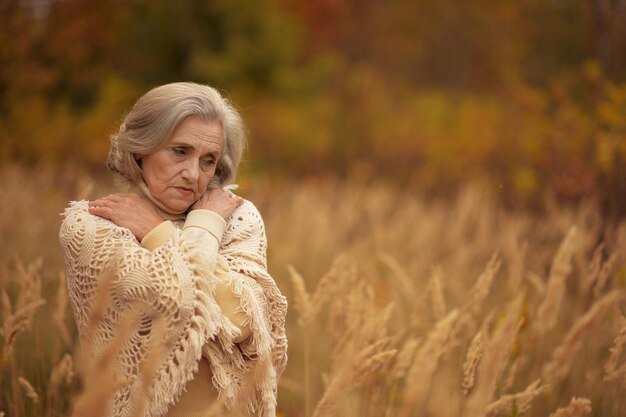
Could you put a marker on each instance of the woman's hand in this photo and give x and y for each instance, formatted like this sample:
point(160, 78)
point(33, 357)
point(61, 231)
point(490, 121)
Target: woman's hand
point(221, 201)
point(127, 210)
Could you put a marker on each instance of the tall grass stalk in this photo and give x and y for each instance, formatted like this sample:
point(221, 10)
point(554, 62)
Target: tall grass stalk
point(385, 305)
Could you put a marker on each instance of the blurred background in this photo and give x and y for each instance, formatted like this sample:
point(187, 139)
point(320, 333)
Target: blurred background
point(400, 152)
point(527, 98)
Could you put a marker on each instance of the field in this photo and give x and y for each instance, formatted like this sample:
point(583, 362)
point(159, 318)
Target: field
point(442, 183)
point(399, 305)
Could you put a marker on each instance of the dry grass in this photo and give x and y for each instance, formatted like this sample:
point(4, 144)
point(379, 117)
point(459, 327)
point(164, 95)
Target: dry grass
point(474, 354)
point(578, 407)
point(515, 404)
point(399, 306)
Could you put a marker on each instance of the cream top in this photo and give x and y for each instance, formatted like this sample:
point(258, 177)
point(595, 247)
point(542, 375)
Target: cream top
point(175, 275)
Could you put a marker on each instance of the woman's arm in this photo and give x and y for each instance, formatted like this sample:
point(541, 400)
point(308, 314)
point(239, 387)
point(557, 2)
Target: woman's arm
point(171, 280)
point(224, 296)
point(135, 213)
point(243, 252)
point(170, 285)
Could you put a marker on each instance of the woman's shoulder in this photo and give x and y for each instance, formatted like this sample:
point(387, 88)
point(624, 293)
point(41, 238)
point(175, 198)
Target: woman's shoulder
point(245, 220)
point(75, 207)
point(247, 208)
point(246, 212)
point(75, 212)
point(76, 217)
point(78, 211)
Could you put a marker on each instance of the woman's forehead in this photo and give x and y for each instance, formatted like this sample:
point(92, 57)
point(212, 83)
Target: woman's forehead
point(198, 134)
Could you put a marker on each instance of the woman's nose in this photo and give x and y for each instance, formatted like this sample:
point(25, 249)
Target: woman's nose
point(191, 171)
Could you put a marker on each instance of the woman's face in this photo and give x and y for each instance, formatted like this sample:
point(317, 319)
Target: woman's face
point(178, 173)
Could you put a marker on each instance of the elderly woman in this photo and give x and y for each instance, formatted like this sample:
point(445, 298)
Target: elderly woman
point(185, 252)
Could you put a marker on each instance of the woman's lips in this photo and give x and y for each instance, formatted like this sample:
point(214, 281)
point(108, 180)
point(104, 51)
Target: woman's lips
point(184, 191)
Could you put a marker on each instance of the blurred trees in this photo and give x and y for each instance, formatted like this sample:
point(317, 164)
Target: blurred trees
point(528, 96)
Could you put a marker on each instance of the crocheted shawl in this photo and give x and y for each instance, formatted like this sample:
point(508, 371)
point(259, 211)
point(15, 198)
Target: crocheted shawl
point(174, 284)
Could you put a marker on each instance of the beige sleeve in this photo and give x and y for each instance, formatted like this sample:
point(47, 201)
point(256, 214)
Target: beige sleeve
point(230, 303)
point(157, 236)
point(224, 296)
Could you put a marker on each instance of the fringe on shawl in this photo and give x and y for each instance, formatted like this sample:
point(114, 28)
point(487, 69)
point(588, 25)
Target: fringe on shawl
point(206, 322)
point(240, 375)
point(265, 351)
point(254, 381)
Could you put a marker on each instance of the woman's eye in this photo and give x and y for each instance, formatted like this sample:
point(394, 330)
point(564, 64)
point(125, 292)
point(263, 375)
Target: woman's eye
point(178, 151)
point(208, 162)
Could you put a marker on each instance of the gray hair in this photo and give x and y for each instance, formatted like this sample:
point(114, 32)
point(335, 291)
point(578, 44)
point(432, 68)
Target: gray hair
point(155, 116)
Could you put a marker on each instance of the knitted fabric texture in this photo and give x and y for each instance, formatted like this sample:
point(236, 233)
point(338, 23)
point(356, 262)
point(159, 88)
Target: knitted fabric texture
point(175, 285)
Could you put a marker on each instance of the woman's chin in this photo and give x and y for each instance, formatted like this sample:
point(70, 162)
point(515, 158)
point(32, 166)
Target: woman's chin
point(177, 206)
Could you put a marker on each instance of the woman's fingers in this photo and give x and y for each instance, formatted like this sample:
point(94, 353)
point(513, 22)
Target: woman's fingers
point(112, 199)
point(237, 200)
point(101, 211)
point(127, 210)
point(221, 201)
point(107, 206)
point(96, 204)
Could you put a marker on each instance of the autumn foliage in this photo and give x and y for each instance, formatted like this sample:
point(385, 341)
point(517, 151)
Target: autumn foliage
point(528, 98)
